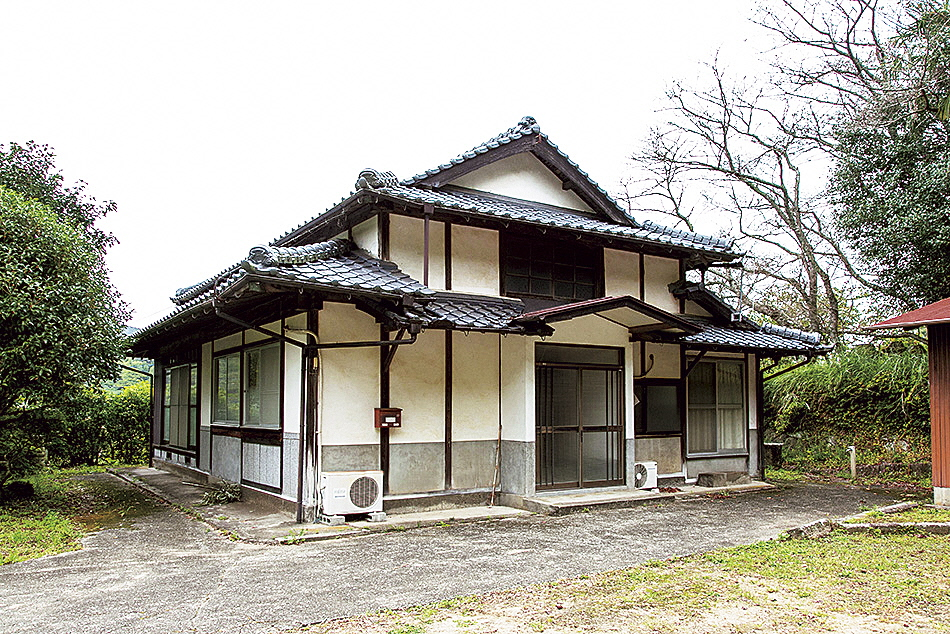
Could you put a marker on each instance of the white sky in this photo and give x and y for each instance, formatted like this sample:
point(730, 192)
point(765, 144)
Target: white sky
point(217, 126)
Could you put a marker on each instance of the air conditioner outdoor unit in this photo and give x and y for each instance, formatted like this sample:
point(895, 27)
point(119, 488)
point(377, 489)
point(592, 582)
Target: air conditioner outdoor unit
point(351, 492)
point(644, 475)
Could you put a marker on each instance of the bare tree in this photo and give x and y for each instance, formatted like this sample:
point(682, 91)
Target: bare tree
point(759, 155)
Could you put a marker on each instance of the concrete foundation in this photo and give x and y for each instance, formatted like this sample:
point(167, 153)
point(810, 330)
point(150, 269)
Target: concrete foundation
point(473, 464)
point(226, 457)
point(942, 497)
point(416, 467)
point(695, 466)
point(517, 467)
point(349, 458)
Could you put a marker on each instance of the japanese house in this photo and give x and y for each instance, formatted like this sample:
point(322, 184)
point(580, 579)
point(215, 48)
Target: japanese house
point(497, 322)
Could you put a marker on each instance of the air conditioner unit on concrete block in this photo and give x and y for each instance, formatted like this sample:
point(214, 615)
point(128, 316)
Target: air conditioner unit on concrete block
point(644, 475)
point(351, 492)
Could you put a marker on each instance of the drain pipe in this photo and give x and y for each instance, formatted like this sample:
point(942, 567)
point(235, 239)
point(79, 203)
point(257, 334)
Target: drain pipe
point(496, 477)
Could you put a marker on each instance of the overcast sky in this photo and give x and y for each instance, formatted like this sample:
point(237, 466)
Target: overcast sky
point(217, 126)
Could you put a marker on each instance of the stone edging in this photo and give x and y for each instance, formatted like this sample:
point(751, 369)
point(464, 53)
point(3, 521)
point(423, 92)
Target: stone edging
point(824, 527)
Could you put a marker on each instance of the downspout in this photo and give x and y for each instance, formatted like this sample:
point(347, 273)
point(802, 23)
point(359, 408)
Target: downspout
point(496, 478)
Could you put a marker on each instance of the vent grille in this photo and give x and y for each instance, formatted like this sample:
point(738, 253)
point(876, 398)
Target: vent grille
point(364, 492)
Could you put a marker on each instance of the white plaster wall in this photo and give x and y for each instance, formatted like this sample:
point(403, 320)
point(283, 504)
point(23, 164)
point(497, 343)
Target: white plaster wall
point(659, 273)
point(230, 341)
point(517, 402)
point(475, 266)
point(589, 330)
point(293, 367)
point(621, 273)
point(206, 393)
point(692, 308)
point(525, 177)
point(475, 386)
point(349, 377)
point(407, 247)
point(366, 235)
point(666, 360)
point(253, 336)
point(417, 385)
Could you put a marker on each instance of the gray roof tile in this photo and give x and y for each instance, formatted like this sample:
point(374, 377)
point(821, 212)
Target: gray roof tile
point(542, 215)
point(765, 338)
point(331, 265)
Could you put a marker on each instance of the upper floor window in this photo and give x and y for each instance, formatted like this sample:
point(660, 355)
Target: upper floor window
point(563, 271)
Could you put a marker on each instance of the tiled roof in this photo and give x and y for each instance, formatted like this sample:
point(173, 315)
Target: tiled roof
point(526, 127)
point(332, 265)
point(549, 216)
point(469, 312)
point(766, 338)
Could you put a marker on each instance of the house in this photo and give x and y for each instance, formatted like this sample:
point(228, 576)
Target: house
point(936, 318)
point(520, 328)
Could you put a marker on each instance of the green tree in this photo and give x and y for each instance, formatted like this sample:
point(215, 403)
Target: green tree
point(60, 319)
point(892, 177)
point(30, 169)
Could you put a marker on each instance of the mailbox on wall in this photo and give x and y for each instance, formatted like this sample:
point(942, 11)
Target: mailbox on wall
point(388, 417)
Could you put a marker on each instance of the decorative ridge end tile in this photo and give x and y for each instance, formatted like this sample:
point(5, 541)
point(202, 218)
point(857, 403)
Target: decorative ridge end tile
point(374, 179)
point(261, 256)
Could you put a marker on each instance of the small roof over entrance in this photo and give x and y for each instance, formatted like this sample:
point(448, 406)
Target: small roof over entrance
point(633, 314)
point(936, 313)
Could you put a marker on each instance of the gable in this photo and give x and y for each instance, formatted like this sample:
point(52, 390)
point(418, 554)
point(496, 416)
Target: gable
point(522, 176)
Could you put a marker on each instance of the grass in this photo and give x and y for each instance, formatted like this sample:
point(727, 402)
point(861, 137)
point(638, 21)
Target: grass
point(914, 486)
point(68, 504)
point(842, 582)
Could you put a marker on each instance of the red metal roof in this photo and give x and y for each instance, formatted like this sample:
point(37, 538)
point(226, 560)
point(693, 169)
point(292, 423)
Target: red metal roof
point(936, 313)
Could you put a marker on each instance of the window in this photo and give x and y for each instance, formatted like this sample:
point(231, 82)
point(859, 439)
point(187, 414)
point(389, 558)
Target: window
point(551, 269)
point(180, 407)
point(262, 381)
point(716, 421)
point(254, 374)
point(656, 411)
point(227, 395)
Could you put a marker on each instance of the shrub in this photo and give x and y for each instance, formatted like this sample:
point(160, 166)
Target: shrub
point(877, 401)
point(104, 427)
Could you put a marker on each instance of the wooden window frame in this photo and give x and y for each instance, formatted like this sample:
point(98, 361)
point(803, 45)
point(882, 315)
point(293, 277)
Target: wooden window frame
point(241, 352)
point(639, 430)
point(717, 407)
point(193, 372)
point(507, 243)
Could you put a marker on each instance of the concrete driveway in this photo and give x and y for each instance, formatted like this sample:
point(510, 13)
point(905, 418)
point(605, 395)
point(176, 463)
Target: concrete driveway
point(169, 573)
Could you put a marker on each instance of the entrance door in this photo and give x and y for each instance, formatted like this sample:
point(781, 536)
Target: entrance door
point(579, 416)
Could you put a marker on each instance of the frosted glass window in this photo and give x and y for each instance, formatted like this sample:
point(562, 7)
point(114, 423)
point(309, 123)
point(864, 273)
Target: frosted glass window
point(262, 395)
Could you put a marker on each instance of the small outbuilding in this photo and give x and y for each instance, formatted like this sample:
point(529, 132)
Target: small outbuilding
point(936, 317)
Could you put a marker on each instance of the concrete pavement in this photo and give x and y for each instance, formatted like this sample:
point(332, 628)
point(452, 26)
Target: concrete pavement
point(169, 573)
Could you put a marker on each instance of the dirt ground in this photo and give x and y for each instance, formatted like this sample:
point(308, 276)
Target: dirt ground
point(780, 588)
